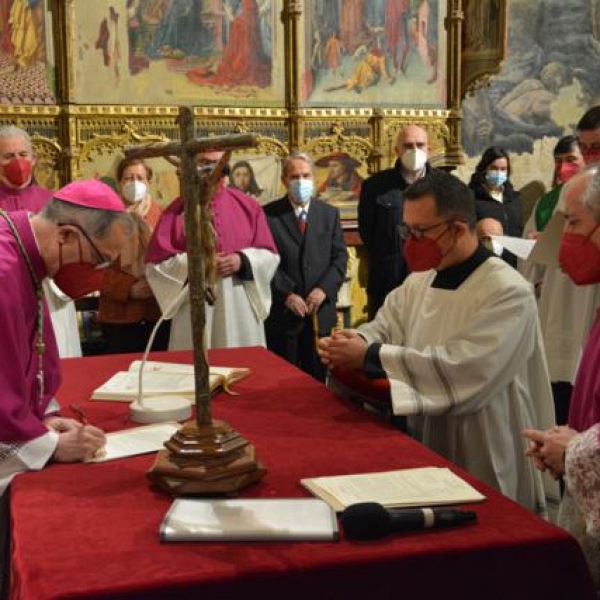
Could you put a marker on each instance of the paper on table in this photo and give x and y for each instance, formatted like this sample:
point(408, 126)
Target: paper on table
point(138, 440)
point(265, 519)
point(518, 246)
point(426, 486)
point(545, 251)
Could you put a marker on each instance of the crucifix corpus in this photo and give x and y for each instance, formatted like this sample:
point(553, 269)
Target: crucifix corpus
point(204, 456)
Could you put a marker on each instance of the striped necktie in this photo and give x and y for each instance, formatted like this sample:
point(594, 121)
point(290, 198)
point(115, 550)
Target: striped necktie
point(302, 220)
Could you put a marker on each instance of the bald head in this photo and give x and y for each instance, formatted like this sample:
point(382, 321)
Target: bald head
point(486, 228)
point(412, 137)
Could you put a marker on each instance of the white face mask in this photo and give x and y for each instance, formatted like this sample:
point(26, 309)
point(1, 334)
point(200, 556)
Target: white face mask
point(414, 159)
point(135, 191)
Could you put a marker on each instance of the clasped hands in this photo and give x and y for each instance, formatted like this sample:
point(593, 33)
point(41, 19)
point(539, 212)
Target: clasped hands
point(302, 307)
point(343, 349)
point(76, 442)
point(228, 264)
point(547, 448)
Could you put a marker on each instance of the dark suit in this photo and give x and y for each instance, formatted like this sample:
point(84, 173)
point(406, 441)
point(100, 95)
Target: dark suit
point(316, 259)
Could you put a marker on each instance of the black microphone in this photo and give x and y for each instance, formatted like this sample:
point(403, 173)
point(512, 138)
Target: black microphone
point(371, 521)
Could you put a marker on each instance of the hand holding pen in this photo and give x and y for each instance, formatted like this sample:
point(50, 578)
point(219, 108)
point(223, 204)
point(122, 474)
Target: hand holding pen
point(79, 442)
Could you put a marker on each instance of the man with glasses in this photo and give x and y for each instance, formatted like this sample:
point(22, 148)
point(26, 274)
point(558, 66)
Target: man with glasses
point(20, 191)
point(75, 237)
point(79, 232)
point(460, 343)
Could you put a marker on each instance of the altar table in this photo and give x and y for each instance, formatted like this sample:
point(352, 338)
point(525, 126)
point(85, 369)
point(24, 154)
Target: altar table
point(91, 530)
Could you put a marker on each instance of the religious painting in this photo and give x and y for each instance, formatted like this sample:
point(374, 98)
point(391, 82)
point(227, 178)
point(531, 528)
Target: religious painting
point(484, 40)
point(258, 175)
point(27, 69)
point(547, 80)
point(209, 52)
point(374, 53)
point(339, 181)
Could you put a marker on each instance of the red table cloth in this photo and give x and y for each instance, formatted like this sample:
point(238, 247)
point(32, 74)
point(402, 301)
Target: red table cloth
point(91, 530)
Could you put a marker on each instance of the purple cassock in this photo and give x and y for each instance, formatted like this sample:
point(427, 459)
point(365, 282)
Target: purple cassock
point(21, 409)
point(239, 222)
point(585, 399)
point(32, 198)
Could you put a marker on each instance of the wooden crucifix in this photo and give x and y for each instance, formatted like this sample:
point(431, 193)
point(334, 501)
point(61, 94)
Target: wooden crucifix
point(203, 457)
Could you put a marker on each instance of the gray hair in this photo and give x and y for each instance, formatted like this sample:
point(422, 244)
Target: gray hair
point(8, 131)
point(287, 161)
point(590, 198)
point(94, 221)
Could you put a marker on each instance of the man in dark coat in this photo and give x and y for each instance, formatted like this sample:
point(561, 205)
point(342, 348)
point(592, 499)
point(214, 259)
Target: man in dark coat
point(380, 214)
point(313, 259)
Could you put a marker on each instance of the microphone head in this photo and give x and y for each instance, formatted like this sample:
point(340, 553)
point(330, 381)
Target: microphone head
point(366, 521)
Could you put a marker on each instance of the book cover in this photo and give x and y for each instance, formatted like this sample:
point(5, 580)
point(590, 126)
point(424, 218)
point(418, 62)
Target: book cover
point(240, 519)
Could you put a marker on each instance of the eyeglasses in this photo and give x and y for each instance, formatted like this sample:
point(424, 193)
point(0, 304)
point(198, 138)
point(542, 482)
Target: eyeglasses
point(418, 233)
point(102, 262)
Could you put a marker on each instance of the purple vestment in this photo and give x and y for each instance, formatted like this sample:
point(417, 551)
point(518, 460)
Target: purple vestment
point(32, 198)
point(239, 223)
point(585, 400)
point(21, 409)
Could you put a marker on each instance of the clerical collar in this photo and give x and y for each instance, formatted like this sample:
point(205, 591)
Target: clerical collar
point(451, 278)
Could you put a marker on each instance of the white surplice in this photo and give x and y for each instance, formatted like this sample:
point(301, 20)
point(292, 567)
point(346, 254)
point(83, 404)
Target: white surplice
point(468, 368)
point(237, 317)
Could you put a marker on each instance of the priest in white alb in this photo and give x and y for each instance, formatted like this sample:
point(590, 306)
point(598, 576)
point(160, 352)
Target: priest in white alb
point(460, 343)
point(246, 260)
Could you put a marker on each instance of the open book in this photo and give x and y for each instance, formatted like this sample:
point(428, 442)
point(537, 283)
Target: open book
point(249, 519)
point(426, 486)
point(164, 379)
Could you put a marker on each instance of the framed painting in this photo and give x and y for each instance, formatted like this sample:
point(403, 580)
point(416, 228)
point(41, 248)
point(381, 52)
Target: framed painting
point(208, 52)
point(483, 41)
point(258, 175)
point(27, 67)
point(374, 53)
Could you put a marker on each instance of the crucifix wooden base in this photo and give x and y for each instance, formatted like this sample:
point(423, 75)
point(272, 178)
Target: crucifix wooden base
point(206, 460)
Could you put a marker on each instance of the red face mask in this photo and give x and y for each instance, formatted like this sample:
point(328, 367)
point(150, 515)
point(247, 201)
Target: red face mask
point(18, 171)
point(78, 279)
point(423, 254)
point(579, 258)
point(566, 171)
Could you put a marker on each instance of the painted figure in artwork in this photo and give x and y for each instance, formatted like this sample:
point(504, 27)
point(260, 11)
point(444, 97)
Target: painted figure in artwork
point(243, 61)
point(22, 37)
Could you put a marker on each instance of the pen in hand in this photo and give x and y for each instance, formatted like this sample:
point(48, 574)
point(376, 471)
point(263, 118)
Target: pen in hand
point(79, 414)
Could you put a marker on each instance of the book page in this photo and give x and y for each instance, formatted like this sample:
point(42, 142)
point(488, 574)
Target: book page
point(518, 246)
point(249, 519)
point(427, 486)
point(124, 385)
point(138, 440)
